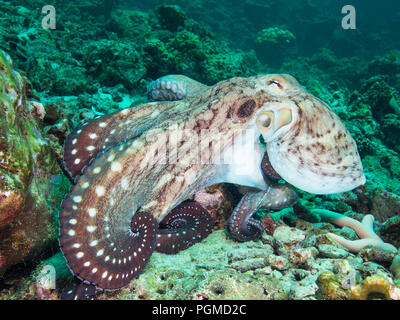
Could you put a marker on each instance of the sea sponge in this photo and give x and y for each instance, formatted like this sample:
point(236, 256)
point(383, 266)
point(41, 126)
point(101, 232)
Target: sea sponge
point(375, 287)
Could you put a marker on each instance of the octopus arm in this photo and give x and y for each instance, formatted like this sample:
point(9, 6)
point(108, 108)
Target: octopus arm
point(104, 236)
point(184, 226)
point(98, 135)
point(242, 226)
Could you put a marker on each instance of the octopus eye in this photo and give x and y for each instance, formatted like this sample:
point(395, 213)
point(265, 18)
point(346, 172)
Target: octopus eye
point(278, 84)
point(246, 109)
point(275, 83)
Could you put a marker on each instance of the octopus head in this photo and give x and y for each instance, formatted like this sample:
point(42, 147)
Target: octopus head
point(307, 143)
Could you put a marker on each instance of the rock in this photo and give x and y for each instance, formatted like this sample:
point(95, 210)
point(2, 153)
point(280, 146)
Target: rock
point(280, 248)
point(376, 254)
point(390, 231)
point(203, 270)
point(171, 17)
point(247, 253)
point(218, 201)
point(395, 267)
point(268, 224)
point(324, 239)
point(289, 236)
point(332, 252)
point(32, 183)
point(370, 268)
point(268, 239)
point(248, 264)
point(265, 270)
point(10, 204)
point(302, 284)
point(277, 262)
point(299, 256)
point(384, 204)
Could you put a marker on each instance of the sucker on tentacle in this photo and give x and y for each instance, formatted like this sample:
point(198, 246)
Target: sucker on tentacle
point(95, 255)
point(98, 135)
point(78, 291)
point(185, 225)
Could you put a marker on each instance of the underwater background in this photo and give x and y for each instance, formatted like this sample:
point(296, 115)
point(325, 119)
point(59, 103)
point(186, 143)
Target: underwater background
point(101, 58)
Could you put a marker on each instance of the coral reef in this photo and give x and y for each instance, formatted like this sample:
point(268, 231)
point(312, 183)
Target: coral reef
point(221, 268)
point(272, 45)
point(102, 59)
point(31, 181)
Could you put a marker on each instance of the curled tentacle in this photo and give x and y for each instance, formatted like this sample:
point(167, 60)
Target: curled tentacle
point(174, 87)
point(268, 170)
point(107, 261)
point(78, 290)
point(242, 226)
point(185, 225)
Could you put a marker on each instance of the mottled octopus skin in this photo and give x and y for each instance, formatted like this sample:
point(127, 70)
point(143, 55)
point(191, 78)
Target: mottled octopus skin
point(125, 185)
point(315, 152)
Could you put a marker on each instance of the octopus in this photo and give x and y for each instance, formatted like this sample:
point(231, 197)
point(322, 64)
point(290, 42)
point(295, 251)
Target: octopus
point(135, 170)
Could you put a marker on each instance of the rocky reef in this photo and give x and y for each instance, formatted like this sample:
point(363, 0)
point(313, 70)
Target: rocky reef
point(32, 183)
point(119, 51)
point(273, 45)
